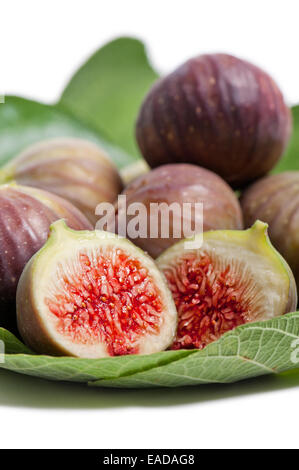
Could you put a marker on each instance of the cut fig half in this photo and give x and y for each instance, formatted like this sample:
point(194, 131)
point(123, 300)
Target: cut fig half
point(92, 294)
point(235, 277)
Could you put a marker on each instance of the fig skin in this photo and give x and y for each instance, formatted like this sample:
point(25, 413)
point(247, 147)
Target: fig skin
point(75, 169)
point(40, 327)
point(275, 200)
point(25, 217)
point(219, 112)
point(181, 183)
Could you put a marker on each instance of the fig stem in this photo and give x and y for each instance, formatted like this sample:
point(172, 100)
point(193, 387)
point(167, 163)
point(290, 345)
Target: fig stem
point(259, 229)
point(58, 227)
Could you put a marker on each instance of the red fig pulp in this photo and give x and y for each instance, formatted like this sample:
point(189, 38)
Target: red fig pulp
point(235, 277)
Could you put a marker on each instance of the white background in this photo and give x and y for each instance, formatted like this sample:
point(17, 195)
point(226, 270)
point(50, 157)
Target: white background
point(41, 44)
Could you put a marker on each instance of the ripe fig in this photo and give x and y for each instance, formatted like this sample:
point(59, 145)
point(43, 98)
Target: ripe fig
point(219, 112)
point(25, 216)
point(234, 278)
point(275, 200)
point(74, 169)
point(176, 185)
point(93, 294)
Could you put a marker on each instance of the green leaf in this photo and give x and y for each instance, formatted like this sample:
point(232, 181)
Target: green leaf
point(248, 351)
point(23, 122)
point(12, 344)
point(290, 160)
point(19, 359)
point(108, 89)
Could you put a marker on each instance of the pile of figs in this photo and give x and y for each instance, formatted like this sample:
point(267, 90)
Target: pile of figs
point(210, 131)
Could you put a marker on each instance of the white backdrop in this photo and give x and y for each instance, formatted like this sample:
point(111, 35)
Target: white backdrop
point(42, 43)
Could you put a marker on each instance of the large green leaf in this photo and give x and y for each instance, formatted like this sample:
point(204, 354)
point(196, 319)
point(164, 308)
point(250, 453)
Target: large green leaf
point(249, 350)
point(290, 160)
point(23, 122)
point(107, 90)
point(18, 358)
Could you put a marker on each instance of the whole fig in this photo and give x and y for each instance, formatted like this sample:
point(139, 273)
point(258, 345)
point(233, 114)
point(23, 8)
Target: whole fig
point(275, 200)
point(178, 184)
point(219, 112)
point(25, 217)
point(74, 169)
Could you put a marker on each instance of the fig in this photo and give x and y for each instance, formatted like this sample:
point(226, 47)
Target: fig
point(92, 294)
point(275, 200)
point(25, 217)
point(74, 169)
point(235, 277)
point(179, 184)
point(219, 112)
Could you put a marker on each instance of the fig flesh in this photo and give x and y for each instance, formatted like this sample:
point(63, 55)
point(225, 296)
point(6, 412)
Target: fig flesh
point(176, 185)
point(275, 200)
point(25, 217)
point(235, 277)
point(93, 294)
point(219, 112)
point(75, 169)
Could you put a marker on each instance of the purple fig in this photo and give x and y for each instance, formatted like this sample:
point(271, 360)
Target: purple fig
point(178, 184)
point(219, 112)
point(25, 217)
point(74, 169)
point(275, 200)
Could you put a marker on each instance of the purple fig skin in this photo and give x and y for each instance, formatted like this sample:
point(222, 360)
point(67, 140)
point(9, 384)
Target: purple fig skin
point(275, 200)
point(75, 169)
point(219, 112)
point(25, 217)
point(181, 183)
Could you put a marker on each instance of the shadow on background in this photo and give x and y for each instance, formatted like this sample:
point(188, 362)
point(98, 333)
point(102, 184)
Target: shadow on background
point(25, 391)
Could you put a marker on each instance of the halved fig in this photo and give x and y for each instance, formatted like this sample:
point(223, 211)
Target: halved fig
point(235, 277)
point(93, 294)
